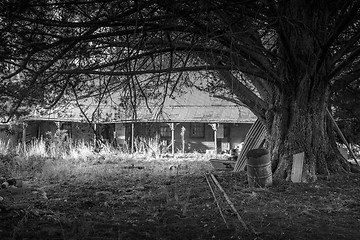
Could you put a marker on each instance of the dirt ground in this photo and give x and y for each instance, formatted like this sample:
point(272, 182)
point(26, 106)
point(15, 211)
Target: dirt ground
point(182, 206)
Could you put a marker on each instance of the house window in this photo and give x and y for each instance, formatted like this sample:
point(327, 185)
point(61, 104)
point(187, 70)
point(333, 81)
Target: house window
point(197, 130)
point(68, 127)
point(165, 131)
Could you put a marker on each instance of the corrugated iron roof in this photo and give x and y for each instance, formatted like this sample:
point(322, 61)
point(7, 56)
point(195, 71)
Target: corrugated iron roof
point(195, 106)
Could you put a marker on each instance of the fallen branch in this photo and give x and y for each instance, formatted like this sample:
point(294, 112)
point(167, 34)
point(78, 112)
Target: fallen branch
point(229, 201)
point(342, 136)
point(217, 203)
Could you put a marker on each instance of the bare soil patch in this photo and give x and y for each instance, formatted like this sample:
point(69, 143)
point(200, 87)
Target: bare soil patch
point(181, 206)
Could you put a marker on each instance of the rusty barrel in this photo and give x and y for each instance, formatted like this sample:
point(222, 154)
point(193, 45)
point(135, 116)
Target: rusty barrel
point(259, 168)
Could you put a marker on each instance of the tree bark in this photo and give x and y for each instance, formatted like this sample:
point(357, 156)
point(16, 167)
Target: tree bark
point(297, 122)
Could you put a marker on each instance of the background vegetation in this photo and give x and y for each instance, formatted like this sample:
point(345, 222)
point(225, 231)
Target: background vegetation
point(55, 159)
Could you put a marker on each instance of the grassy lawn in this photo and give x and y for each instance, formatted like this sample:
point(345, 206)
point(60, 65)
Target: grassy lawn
point(72, 192)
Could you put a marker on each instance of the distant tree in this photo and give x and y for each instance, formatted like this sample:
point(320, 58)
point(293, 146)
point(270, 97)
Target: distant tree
point(283, 59)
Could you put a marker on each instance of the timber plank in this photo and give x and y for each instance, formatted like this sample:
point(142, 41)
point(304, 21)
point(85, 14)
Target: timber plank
point(297, 167)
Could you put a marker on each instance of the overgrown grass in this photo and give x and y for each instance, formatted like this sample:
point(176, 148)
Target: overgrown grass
point(58, 158)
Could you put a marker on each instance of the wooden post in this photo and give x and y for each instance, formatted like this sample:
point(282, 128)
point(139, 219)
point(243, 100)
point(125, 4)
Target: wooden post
point(342, 136)
point(172, 128)
point(114, 141)
point(95, 135)
point(214, 128)
point(183, 129)
point(132, 138)
point(24, 136)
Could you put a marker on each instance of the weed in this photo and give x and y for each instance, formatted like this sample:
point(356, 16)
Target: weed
point(18, 230)
point(5, 147)
point(58, 143)
point(37, 148)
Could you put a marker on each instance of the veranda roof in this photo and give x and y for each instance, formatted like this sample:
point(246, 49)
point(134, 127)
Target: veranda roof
point(195, 106)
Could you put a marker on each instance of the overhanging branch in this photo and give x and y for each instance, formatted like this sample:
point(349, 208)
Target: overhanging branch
point(149, 71)
point(248, 97)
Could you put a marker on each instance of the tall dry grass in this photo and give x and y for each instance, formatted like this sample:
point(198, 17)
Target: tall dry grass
point(58, 158)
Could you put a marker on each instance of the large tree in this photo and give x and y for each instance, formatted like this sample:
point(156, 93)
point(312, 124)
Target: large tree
point(283, 59)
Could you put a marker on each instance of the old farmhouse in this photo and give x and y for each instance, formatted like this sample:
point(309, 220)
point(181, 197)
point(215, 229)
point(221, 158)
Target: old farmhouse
point(191, 122)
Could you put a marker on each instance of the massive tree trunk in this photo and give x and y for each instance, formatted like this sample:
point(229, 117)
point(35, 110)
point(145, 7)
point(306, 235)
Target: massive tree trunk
point(297, 122)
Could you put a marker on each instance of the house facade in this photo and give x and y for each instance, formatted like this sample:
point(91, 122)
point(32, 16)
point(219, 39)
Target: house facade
point(194, 121)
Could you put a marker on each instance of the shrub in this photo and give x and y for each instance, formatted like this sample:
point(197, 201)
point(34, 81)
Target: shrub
point(58, 143)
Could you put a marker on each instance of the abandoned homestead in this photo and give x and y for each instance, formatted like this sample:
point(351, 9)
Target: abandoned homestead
point(194, 121)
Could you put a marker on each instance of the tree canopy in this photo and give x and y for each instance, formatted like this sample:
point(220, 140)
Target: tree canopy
point(283, 59)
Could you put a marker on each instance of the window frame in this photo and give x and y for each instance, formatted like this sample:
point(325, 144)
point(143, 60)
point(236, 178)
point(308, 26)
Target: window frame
point(199, 127)
point(167, 131)
point(68, 126)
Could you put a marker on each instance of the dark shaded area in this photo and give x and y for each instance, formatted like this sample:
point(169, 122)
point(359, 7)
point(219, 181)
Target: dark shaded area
point(182, 207)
